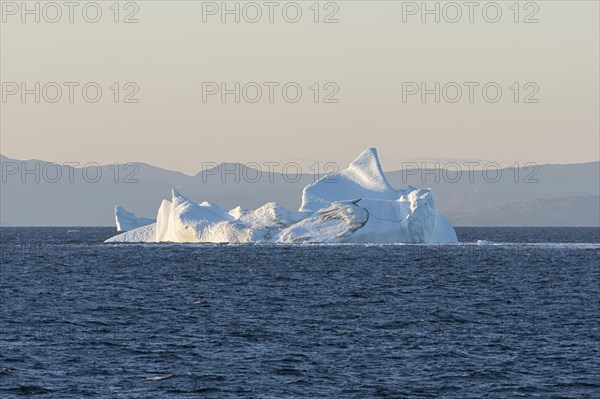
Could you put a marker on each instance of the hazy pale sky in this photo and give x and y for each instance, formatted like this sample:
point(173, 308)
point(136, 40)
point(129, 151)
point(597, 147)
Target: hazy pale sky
point(371, 61)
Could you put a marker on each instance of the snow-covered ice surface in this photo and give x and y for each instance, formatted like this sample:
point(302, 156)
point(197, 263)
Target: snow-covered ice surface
point(356, 205)
point(141, 234)
point(127, 220)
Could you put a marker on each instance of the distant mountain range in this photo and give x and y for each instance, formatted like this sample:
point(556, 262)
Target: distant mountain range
point(40, 193)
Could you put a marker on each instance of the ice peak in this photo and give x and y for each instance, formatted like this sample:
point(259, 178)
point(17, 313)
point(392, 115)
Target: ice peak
point(368, 156)
point(127, 220)
point(363, 178)
point(176, 194)
point(367, 170)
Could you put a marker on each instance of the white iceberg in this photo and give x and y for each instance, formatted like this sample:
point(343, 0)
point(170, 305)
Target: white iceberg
point(127, 220)
point(356, 205)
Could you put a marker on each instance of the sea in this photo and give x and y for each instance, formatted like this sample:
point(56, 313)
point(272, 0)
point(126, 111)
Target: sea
point(506, 313)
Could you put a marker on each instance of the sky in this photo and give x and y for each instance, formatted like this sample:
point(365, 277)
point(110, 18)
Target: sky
point(503, 83)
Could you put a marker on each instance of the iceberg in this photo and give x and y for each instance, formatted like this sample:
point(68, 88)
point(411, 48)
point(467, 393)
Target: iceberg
point(127, 220)
point(356, 205)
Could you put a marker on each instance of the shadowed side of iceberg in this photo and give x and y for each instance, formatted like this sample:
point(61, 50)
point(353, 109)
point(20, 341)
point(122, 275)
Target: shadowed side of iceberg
point(127, 220)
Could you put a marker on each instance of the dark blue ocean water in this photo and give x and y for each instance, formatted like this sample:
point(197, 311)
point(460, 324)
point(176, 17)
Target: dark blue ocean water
point(519, 318)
